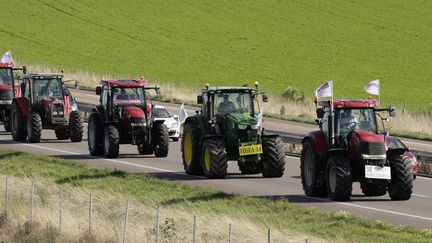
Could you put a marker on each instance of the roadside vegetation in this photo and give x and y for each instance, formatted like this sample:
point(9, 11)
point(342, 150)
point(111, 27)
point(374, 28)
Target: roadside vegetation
point(250, 216)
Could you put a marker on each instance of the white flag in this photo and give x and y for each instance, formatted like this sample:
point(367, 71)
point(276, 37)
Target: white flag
point(373, 87)
point(182, 115)
point(325, 90)
point(7, 58)
point(260, 120)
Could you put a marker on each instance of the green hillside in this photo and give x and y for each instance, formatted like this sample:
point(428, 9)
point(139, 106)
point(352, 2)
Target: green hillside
point(279, 43)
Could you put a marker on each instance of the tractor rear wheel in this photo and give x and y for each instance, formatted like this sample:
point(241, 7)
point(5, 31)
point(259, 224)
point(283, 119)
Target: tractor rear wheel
point(111, 142)
point(273, 157)
point(160, 140)
point(191, 149)
point(401, 183)
point(339, 178)
point(34, 127)
point(75, 126)
point(62, 133)
point(374, 187)
point(214, 158)
point(311, 171)
point(94, 135)
point(17, 122)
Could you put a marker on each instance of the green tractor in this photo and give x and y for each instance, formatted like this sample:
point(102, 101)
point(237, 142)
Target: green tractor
point(228, 128)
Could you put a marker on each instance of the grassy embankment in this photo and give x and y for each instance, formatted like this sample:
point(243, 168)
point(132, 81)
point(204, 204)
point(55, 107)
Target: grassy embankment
point(250, 216)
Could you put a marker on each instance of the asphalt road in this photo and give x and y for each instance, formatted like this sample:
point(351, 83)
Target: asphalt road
point(416, 212)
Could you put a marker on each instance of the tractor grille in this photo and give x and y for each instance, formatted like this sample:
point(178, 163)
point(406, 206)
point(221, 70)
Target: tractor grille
point(137, 121)
point(58, 115)
point(6, 95)
point(248, 135)
point(372, 148)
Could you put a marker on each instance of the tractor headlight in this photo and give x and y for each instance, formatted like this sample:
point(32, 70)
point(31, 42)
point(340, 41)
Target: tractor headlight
point(74, 107)
point(255, 127)
point(241, 127)
point(374, 156)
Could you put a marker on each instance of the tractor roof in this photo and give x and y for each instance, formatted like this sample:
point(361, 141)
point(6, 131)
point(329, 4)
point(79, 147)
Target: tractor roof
point(350, 103)
point(6, 65)
point(225, 89)
point(130, 83)
point(43, 75)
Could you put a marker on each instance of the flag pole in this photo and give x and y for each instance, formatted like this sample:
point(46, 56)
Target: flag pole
point(332, 114)
point(379, 93)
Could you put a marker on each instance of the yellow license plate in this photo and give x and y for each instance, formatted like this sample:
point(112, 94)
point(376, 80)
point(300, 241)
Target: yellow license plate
point(251, 149)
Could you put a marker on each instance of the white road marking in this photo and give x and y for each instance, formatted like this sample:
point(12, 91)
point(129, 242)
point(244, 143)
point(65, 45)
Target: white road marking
point(424, 178)
point(419, 195)
point(373, 209)
point(418, 143)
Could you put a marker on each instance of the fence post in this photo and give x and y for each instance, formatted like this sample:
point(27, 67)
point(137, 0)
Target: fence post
point(157, 224)
point(6, 196)
point(194, 229)
point(269, 235)
point(61, 210)
point(125, 223)
point(230, 233)
point(90, 213)
point(32, 201)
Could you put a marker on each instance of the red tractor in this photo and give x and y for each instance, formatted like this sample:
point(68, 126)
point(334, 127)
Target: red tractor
point(44, 105)
point(7, 91)
point(349, 148)
point(125, 116)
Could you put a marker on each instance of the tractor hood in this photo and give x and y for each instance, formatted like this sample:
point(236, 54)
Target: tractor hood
point(243, 119)
point(370, 137)
point(135, 112)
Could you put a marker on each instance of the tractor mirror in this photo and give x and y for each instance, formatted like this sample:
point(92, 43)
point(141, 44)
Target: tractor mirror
point(98, 90)
point(157, 89)
point(320, 113)
point(199, 99)
point(22, 87)
point(392, 111)
point(265, 98)
point(24, 69)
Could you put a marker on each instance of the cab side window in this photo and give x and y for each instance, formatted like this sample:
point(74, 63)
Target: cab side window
point(105, 96)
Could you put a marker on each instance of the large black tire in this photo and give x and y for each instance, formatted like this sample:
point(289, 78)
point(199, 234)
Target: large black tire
point(401, 183)
point(191, 149)
point(94, 135)
point(6, 124)
point(75, 126)
point(160, 140)
point(214, 158)
point(339, 178)
point(374, 187)
point(62, 133)
point(312, 172)
point(111, 142)
point(273, 157)
point(18, 123)
point(34, 127)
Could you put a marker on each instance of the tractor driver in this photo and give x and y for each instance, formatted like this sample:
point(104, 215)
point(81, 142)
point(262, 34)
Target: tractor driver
point(347, 123)
point(226, 106)
point(123, 95)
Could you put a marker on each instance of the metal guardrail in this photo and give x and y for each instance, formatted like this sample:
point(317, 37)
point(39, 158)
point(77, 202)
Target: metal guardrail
point(293, 138)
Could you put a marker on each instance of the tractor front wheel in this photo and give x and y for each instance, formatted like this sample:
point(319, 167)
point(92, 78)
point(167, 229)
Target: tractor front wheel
point(312, 175)
point(214, 158)
point(75, 126)
point(374, 187)
point(401, 183)
point(273, 157)
point(17, 122)
point(94, 135)
point(34, 127)
point(191, 149)
point(111, 142)
point(339, 178)
point(160, 140)
point(62, 133)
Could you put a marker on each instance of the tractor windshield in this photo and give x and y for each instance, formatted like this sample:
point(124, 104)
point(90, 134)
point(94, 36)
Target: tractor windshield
point(6, 76)
point(48, 88)
point(233, 102)
point(128, 96)
point(355, 119)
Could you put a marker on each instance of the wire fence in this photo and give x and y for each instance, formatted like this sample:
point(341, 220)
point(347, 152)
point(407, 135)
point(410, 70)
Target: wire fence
point(101, 218)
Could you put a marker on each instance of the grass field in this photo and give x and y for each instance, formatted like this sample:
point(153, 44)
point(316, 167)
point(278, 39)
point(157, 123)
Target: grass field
point(250, 216)
point(279, 43)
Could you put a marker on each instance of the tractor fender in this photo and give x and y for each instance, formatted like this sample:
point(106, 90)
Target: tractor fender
point(391, 152)
point(158, 122)
point(23, 105)
point(199, 121)
point(319, 142)
point(98, 110)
